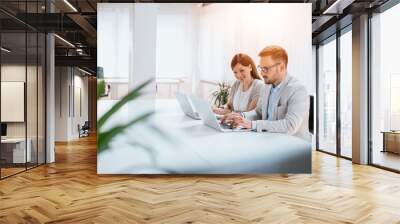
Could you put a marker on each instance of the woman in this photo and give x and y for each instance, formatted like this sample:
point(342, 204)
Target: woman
point(245, 90)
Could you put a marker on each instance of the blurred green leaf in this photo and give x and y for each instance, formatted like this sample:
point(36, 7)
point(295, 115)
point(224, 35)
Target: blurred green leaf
point(152, 152)
point(101, 88)
point(129, 97)
point(105, 138)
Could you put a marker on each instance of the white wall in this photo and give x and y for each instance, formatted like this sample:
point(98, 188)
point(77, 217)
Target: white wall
point(61, 103)
point(84, 84)
point(227, 29)
point(70, 81)
point(81, 104)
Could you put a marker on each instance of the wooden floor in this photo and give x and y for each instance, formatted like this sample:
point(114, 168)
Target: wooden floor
point(387, 159)
point(5, 172)
point(70, 191)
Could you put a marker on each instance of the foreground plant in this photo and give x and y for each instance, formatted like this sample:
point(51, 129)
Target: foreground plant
point(106, 136)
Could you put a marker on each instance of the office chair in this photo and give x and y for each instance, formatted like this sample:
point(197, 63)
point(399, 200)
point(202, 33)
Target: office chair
point(84, 130)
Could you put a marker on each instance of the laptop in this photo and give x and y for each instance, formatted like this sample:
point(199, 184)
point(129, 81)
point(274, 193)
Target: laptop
point(186, 106)
point(210, 119)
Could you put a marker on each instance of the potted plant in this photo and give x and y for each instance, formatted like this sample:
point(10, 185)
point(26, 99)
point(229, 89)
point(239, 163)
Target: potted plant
point(220, 96)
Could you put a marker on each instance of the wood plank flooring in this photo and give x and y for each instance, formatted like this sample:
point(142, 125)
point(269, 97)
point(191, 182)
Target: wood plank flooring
point(387, 159)
point(10, 171)
point(70, 191)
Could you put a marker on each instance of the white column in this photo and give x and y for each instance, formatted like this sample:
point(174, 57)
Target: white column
point(50, 99)
point(360, 90)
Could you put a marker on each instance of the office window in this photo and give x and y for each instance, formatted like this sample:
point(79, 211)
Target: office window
point(13, 86)
point(346, 94)
point(22, 95)
point(31, 99)
point(171, 54)
point(41, 79)
point(394, 101)
point(118, 23)
point(327, 97)
point(170, 46)
point(176, 51)
point(385, 84)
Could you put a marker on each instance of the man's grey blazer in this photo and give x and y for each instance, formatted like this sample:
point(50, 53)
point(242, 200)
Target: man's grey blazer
point(290, 115)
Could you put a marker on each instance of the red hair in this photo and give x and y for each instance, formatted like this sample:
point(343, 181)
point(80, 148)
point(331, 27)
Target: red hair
point(245, 60)
point(276, 52)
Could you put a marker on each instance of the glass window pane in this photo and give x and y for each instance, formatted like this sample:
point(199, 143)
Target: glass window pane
point(327, 97)
point(13, 86)
point(31, 86)
point(346, 94)
point(23, 90)
point(386, 89)
point(41, 98)
point(31, 97)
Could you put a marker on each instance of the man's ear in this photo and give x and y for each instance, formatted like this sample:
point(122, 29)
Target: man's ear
point(283, 67)
point(280, 67)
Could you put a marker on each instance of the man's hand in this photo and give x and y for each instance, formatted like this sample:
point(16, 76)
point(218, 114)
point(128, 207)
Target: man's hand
point(220, 111)
point(228, 118)
point(236, 120)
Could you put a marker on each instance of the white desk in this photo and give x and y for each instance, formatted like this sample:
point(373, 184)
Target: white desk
point(18, 149)
point(195, 148)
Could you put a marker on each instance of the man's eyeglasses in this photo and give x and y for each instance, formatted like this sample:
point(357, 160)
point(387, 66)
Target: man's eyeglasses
point(266, 69)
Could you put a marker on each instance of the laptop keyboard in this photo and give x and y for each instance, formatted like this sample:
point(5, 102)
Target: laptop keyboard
point(225, 126)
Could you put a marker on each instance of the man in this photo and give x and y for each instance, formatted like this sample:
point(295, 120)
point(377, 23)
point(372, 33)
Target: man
point(283, 105)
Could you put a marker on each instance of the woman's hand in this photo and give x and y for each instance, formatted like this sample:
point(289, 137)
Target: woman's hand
point(220, 111)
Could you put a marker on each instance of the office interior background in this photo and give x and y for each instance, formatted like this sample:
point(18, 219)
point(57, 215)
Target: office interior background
point(39, 108)
point(48, 81)
point(37, 67)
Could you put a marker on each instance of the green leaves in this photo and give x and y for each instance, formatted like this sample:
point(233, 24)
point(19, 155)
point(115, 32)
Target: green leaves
point(101, 88)
point(105, 137)
point(220, 96)
point(135, 93)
